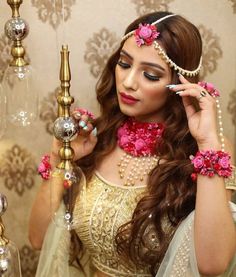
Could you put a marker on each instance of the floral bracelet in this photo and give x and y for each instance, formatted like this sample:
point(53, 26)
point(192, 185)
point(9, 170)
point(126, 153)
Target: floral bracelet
point(45, 168)
point(211, 162)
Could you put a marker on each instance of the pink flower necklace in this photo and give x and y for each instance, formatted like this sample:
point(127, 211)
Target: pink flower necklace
point(139, 141)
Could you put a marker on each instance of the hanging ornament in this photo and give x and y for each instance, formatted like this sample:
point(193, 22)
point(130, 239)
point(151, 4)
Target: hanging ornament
point(9, 254)
point(65, 129)
point(2, 112)
point(19, 80)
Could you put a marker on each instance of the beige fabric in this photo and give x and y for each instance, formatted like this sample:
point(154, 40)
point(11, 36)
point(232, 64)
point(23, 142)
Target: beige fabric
point(179, 261)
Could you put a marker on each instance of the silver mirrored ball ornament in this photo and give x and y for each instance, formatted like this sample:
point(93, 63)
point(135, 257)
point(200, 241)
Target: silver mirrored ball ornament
point(16, 29)
point(65, 128)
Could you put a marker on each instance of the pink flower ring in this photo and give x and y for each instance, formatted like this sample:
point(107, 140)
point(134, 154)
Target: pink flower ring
point(210, 88)
point(85, 112)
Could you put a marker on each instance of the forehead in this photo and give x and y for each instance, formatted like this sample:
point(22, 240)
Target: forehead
point(143, 53)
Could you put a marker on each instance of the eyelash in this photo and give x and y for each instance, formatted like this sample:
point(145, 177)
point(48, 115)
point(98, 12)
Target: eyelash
point(124, 65)
point(148, 76)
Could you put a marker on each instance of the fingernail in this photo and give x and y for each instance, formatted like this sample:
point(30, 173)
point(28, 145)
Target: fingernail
point(94, 132)
point(170, 86)
point(179, 92)
point(82, 124)
point(77, 115)
point(179, 74)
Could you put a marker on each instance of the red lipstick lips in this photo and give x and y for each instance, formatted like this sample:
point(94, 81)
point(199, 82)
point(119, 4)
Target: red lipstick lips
point(128, 99)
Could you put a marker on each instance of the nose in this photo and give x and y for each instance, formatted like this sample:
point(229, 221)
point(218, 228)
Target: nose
point(130, 81)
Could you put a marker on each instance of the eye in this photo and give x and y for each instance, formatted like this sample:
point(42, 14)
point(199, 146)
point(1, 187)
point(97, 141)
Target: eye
point(150, 76)
point(123, 64)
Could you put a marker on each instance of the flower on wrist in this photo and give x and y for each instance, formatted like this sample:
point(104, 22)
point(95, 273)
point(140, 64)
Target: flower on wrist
point(211, 162)
point(45, 168)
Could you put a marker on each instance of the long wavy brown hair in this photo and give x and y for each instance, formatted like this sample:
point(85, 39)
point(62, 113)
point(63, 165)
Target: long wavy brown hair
point(170, 191)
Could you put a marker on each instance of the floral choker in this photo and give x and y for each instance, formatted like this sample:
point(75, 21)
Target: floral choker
point(139, 138)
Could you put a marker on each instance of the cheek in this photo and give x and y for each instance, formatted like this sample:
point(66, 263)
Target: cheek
point(118, 75)
point(156, 94)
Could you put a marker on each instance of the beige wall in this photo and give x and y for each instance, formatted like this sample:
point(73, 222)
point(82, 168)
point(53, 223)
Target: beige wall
point(92, 29)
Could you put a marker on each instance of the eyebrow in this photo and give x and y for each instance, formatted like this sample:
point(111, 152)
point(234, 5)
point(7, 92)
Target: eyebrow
point(143, 63)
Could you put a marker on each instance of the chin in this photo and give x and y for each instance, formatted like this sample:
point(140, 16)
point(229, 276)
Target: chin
point(128, 111)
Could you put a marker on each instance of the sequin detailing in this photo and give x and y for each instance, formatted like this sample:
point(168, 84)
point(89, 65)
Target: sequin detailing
point(230, 183)
point(107, 208)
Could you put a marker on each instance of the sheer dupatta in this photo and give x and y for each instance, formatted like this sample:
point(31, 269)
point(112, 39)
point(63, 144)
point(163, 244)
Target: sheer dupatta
point(179, 260)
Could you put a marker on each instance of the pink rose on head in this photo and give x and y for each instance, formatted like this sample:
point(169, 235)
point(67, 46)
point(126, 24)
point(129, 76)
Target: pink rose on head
point(224, 162)
point(146, 34)
point(198, 162)
point(145, 31)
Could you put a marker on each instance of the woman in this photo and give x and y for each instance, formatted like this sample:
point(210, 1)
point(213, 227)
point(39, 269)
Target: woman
point(142, 187)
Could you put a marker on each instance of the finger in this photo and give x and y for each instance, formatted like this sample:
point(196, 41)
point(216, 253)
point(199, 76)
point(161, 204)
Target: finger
point(86, 129)
point(83, 122)
point(182, 79)
point(91, 141)
point(189, 107)
point(185, 86)
point(76, 115)
point(196, 93)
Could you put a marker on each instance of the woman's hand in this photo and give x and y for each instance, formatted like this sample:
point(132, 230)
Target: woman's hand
point(83, 144)
point(202, 122)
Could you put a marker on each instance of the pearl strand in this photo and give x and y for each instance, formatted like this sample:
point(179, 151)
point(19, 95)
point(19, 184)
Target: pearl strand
point(140, 167)
point(221, 130)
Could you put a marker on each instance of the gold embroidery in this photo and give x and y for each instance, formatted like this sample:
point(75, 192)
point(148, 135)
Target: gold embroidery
point(180, 265)
point(230, 183)
point(107, 208)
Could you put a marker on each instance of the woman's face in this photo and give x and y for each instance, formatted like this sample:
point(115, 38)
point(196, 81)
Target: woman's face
point(141, 79)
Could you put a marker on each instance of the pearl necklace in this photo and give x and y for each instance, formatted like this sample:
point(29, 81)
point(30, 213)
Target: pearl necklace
point(139, 141)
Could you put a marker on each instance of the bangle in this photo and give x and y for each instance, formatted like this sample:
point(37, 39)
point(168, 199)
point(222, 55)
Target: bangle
point(211, 162)
point(45, 168)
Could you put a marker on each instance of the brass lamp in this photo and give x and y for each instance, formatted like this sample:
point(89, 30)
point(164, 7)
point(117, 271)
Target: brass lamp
point(19, 78)
point(9, 255)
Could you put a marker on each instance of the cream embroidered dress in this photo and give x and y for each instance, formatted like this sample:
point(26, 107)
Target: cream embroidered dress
point(100, 211)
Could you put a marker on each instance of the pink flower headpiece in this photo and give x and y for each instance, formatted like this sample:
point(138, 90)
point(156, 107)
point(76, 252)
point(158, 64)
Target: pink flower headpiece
point(146, 34)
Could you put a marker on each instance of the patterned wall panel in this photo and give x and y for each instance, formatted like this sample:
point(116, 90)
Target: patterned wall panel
point(212, 51)
point(146, 6)
point(18, 169)
point(233, 5)
point(99, 48)
point(92, 33)
point(5, 49)
point(52, 11)
point(48, 110)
